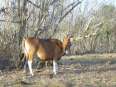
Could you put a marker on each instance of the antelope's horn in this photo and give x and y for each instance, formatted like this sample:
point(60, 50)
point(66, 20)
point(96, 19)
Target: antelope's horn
point(70, 34)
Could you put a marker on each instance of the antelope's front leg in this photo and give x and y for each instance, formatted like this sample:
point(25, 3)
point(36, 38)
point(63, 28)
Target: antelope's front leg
point(55, 67)
point(30, 67)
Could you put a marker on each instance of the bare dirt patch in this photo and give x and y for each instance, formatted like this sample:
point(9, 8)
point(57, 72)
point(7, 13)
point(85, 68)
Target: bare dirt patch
point(93, 70)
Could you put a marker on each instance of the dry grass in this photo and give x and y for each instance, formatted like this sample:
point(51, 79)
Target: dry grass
point(75, 71)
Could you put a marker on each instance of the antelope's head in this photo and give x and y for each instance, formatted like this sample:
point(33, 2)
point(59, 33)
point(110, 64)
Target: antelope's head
point(67, 42)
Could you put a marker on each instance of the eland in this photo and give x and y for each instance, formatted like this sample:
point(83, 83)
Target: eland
point(46, 50)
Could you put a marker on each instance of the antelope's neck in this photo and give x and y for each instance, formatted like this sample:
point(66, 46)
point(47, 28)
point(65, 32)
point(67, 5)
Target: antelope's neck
point(64, 46)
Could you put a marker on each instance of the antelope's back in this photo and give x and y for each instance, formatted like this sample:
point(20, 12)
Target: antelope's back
point(30, 45)
point(49, 49)
point(32, 42)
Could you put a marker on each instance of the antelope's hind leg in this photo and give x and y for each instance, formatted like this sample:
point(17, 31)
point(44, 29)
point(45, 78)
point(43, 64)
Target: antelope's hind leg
point(55, 67)
point(30, 64)
point(25, 62)
point(25, 66)
point(30, 67)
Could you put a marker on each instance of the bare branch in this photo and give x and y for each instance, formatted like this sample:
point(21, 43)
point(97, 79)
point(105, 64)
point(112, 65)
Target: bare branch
point(34, 4)
point(70, 5)
point(69, 11)
point(54, 1)
point(9, 21)
point(66, 13)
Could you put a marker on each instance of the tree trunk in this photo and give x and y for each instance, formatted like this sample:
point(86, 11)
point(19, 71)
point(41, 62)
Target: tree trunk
point(22, 26)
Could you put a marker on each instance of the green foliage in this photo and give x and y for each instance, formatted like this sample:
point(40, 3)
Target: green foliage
point(107, 10)
point(102, 25)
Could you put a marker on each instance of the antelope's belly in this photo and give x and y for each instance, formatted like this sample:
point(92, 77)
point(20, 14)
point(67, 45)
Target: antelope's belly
point(45, 56)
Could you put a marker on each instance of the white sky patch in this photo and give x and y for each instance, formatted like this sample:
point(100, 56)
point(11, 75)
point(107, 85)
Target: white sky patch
point(2, 2)
point(91, 3)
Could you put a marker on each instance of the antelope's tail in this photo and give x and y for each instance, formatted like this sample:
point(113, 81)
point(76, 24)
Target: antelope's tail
point(23, 45)
point(22, 55)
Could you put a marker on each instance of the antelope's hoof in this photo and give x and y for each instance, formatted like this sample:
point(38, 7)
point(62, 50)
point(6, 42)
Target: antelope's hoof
point(55, 73)
point(32, 74)
point(24, 71)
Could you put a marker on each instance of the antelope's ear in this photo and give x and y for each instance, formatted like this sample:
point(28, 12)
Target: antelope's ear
point(24, 38)
point(69, 35)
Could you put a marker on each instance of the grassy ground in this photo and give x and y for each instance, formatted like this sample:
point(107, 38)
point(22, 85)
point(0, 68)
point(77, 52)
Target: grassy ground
point(92, 70)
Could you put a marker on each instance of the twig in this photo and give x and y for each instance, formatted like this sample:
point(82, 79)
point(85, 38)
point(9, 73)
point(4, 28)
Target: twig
point(9, 21)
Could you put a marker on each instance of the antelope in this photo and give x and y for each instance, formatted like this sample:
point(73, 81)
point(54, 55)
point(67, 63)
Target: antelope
point(46, 50)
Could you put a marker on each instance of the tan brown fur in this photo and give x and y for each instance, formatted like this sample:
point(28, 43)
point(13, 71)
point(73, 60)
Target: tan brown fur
point(46, 49)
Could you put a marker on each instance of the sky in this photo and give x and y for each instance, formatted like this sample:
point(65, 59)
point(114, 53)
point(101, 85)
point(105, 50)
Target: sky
point(85, 7)
point(94, 4)
point(84, 2)
point(91, 3)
